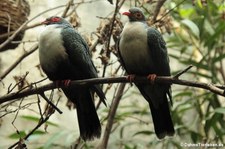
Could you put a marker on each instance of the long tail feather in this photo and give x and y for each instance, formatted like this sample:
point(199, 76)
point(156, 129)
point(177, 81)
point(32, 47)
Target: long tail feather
point(88, 120)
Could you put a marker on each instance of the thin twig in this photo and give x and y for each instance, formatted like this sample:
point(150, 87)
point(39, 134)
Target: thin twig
point(23, 26)
point(49, 102)
point(182, 72)
point(17, 112)
point(33, 48)
point(35, 24)
point(170, 11)
point(67, 8)
point(10, 89)
point(39, 107)
point(38, 24)
point(4, 35)
point(112, 22)
point(41, 122)
point(157, 9)
point(220, 86)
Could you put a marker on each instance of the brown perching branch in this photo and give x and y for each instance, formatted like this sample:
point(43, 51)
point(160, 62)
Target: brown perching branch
point(124, 79)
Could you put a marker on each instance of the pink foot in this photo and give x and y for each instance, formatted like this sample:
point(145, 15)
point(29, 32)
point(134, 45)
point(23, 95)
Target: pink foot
point(131, 78)
point(66, 83)
point(151, 78)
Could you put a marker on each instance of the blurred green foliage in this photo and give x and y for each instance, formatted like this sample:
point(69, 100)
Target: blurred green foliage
point(196, 37)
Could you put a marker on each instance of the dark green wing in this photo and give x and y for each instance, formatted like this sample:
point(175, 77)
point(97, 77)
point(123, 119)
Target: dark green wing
point(159, 55)
point(80, 58)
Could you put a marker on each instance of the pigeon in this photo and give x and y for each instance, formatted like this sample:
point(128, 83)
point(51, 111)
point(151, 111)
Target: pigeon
point(64, 55)
point(142, 51)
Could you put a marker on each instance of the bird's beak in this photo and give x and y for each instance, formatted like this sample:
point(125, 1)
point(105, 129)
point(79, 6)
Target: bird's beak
point(126, 13)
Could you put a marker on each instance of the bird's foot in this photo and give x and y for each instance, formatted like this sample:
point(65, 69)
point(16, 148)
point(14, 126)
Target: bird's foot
point(151, 78)
point(66, 83)
point(131, 78)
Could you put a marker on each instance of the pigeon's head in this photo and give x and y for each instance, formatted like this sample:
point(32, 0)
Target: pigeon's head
point(55, 20)
point(135, 14)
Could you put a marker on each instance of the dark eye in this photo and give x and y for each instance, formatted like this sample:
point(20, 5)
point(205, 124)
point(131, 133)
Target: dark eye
point(55, 19)
point(138, 15)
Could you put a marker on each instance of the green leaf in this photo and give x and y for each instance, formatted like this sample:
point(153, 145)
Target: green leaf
point(186, 12)
point(195, 136)
point(214, 38)
point(39, 132)
point(22, 134)
point(211, 122)
point(220, 110)
point(53, 139)
point(145, 132)
point(195, 63)
point(219, 132)
point(37, 119)
point(185, 108)
point(200, 74)
point(52, 124)
point(36, 135)
point(192, 26)
point(182, 94)
point(30, 118)
point(219, 58)
point(208, 27)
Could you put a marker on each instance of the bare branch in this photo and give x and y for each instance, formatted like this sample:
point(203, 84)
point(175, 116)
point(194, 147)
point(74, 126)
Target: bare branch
point(49, 102)
point(157, 9)
point(41, 122)
point(182, 72)
point(112, 22)
point(67, 8)
point(140, 79)
point(111, 116)
point(170, 11)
